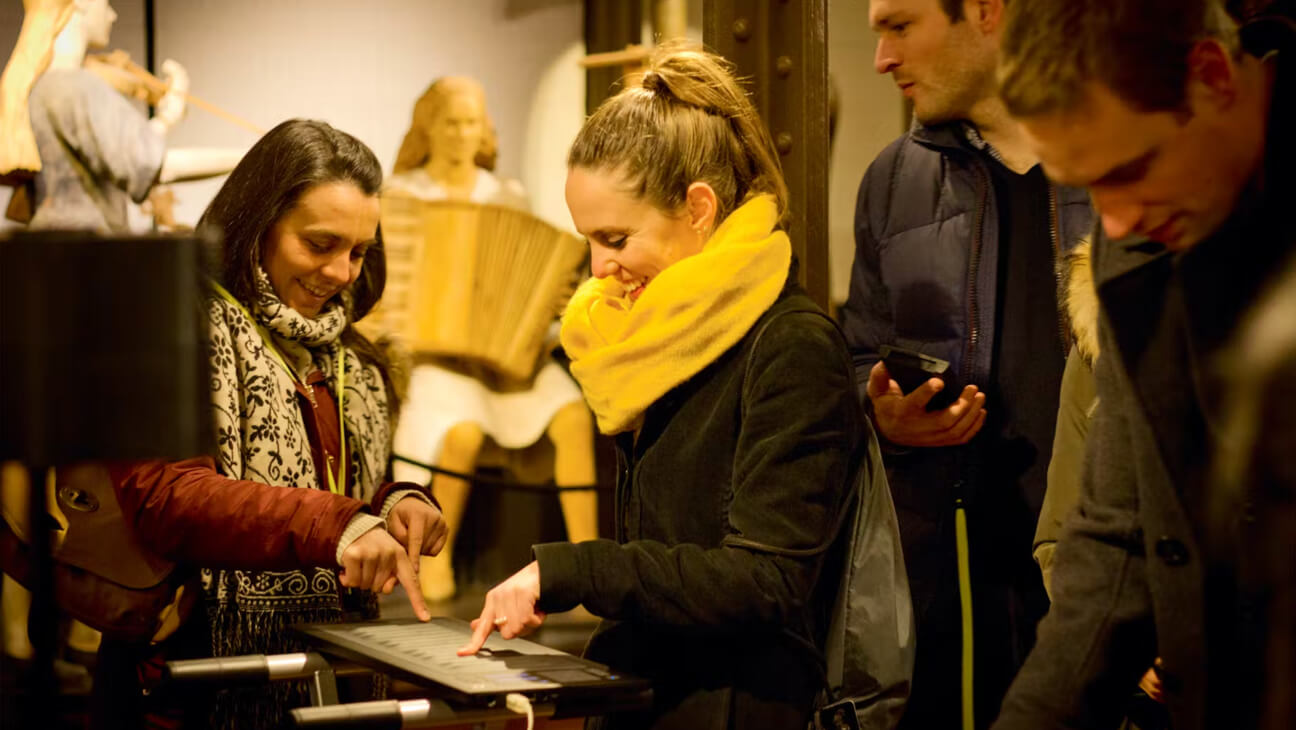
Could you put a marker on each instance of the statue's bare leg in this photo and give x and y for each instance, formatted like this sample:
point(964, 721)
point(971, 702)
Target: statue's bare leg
point(458, 453)
point(16, 602)
point(83, 639)
point(572, 434)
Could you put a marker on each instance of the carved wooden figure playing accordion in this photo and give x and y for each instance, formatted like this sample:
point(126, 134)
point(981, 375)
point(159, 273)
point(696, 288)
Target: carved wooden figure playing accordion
point(475, 283)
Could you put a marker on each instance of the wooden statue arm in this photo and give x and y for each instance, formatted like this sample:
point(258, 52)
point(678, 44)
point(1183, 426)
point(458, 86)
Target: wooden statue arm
point(196, 163)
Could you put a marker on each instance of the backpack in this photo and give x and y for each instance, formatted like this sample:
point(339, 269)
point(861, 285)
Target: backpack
point(870, 645)
point(869, 650)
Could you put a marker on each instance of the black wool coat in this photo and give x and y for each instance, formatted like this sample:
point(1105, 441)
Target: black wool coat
point(718, 585)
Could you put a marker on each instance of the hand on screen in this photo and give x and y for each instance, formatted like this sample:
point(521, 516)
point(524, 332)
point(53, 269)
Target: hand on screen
point(376, 562)
point(510, 608)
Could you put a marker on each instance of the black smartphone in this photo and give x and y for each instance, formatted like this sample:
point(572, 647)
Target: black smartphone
point(911, 369)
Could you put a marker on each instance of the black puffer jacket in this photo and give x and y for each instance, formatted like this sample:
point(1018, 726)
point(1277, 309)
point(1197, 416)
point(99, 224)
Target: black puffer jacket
point(925, 277)
point(721, 577)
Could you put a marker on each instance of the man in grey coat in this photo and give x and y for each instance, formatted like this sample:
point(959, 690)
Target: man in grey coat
point(1181, 129)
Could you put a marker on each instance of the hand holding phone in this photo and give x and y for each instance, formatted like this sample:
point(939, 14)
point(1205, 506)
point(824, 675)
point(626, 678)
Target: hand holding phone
point(911, 369)
point(903, 400)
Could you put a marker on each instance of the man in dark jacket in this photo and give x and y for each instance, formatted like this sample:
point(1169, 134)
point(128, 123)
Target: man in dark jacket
point(1182, 131)
point(957, 237)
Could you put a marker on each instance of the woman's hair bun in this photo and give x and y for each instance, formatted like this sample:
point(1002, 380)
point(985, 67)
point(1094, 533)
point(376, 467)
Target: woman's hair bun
point(653, 81)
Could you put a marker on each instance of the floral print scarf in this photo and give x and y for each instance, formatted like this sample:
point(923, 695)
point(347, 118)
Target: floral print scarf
point(262, 437)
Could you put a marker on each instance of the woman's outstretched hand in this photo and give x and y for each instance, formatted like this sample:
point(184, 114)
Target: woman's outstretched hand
point(509, 607)
point(376, 562)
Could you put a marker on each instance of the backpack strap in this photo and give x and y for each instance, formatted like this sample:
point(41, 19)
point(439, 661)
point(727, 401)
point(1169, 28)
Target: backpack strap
point(846, 508)
point(870, 644)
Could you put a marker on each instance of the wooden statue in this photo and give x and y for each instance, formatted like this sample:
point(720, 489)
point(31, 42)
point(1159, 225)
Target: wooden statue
point(42, 21)
point(133, 80)
point(464, 403)
point(78, 151)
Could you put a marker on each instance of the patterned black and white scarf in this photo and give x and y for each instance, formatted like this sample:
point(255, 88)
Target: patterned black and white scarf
point(262, 437)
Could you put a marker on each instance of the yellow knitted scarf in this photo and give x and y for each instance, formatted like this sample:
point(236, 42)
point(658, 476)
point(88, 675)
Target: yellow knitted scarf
point(625, 356)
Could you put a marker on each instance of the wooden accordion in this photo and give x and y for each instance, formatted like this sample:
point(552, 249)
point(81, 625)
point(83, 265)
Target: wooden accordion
point(479, 283)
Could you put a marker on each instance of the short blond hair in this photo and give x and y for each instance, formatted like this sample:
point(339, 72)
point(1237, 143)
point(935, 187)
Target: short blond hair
point(1052, 49)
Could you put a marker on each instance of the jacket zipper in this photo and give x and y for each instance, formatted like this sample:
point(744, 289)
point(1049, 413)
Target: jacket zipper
point(622, 503)
point(1064, 332)
point(625, 470)
point(974, 266)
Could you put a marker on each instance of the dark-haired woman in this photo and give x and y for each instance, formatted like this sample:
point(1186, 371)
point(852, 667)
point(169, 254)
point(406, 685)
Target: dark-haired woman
point(731, 397)
point(302, 407)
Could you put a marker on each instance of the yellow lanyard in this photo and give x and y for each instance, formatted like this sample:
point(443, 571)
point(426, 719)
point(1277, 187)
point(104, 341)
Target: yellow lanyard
point(335, 483)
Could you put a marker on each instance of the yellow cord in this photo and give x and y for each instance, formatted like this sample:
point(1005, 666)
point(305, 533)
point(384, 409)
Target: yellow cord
point(965, 604)
point(342, 452)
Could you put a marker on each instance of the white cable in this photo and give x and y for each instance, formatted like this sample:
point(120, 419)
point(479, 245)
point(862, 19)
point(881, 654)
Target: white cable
point(522, 706)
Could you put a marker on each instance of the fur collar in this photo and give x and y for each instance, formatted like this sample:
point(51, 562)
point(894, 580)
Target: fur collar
point(1082, 301)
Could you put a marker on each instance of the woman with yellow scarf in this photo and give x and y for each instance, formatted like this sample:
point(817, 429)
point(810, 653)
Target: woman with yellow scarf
point(732, 400)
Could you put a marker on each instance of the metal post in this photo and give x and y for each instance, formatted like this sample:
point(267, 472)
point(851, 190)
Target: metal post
point(670, 20)
point(610, 25)
point(781, 48)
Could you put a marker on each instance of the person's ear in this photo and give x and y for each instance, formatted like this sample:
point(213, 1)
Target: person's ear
point(1212, 75)
point(987, 15)
point(701, 206)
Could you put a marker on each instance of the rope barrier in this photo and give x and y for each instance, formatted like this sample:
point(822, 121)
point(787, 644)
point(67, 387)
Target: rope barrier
point(501, 483)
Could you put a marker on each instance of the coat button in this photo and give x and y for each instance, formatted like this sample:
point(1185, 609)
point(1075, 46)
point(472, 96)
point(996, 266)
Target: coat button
point(1171, 551)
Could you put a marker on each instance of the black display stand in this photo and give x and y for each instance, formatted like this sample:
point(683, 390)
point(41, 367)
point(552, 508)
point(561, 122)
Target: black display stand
point(102, 357)
point(325, 711)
